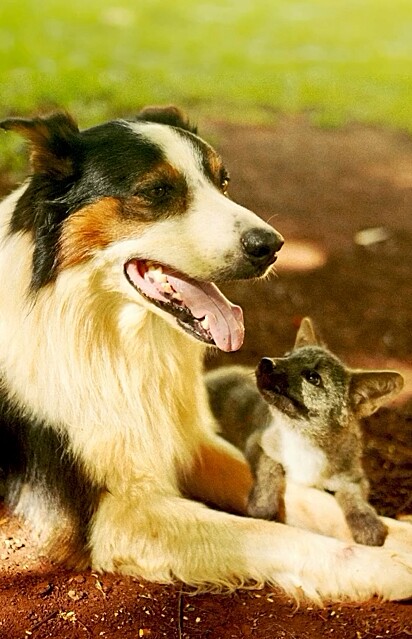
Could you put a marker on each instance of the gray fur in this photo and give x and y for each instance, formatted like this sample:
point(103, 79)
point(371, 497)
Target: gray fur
point(300, 415)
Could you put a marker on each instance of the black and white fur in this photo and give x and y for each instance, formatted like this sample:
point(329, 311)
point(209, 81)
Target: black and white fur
point(107, 445)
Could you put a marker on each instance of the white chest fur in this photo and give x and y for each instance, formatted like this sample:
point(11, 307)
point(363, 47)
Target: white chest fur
point(303, 462)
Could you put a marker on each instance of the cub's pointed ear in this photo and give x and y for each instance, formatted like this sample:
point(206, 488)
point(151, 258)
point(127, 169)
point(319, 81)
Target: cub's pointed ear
point(170, 115)
point(306, 335)
point(369, 390)
point(52, 140)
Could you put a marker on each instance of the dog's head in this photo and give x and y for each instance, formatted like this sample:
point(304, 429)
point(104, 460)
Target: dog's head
point(149, 197)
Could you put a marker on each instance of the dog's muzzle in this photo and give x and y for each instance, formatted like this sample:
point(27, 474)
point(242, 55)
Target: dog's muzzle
point(198, 306)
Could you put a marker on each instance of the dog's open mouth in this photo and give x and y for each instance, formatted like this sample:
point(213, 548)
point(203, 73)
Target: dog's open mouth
point(199, 307)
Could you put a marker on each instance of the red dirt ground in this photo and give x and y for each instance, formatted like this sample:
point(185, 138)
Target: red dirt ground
point(319, 188)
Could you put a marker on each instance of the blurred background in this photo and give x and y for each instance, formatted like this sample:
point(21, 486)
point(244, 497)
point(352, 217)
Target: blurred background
point(309, 103)
point(236, 60)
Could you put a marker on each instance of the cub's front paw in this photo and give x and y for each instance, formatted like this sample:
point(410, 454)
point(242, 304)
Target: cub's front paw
point(367, 528)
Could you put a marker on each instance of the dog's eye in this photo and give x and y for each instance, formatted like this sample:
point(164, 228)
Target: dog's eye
point(159, 191)
point(312, 377)
point(155, 192)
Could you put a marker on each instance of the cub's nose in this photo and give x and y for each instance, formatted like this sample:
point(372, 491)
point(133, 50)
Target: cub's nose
point(270, 378)
point(266, 366)
point(261, 245)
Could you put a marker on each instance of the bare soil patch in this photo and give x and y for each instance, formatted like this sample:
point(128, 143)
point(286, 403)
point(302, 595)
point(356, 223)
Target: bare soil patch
point(319, 188)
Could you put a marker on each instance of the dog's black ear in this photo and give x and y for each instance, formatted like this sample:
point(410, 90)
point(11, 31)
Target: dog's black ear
point(170, 115)
point(52, 139)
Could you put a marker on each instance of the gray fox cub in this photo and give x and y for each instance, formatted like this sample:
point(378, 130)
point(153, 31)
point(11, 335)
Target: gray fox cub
point(301, 419)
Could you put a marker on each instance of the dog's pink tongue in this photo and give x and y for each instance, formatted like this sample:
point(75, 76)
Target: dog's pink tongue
point(204, 299)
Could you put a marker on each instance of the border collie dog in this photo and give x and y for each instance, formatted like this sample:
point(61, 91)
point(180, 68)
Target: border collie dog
point(108, 254)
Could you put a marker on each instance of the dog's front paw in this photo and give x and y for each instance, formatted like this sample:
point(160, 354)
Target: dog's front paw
point(367, 528)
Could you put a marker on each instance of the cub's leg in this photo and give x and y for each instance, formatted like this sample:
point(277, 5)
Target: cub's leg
point(319, 511)
point(361, 517)
point(267, 496)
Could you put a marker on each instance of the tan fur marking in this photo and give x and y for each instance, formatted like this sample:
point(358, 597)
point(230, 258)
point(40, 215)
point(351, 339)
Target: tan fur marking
point(65, 547)
point(42, 133)
point(91, 229)
point(162, 171)
point(215, 165)
point(178, 203)
point(65, 551)
point(44, 160)
point(221, 479)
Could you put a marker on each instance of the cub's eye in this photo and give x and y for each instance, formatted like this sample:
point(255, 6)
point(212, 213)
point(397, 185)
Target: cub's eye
point(312, 377)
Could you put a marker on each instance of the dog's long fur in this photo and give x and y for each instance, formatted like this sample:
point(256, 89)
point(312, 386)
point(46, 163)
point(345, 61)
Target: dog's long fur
point(107, 445)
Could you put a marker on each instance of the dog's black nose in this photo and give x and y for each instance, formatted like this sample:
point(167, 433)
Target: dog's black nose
point(261, 245)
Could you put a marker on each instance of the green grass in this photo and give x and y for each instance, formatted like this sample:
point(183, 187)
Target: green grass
point(240, 59)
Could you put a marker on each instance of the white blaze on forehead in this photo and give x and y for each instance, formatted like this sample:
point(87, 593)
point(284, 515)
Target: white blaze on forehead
point(179, 151)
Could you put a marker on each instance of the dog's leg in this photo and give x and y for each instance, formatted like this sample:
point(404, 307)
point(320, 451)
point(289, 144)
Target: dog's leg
point(315, 510)
point(319, 512)
point(163, 537)
point(399, 536)
point(221, 476)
